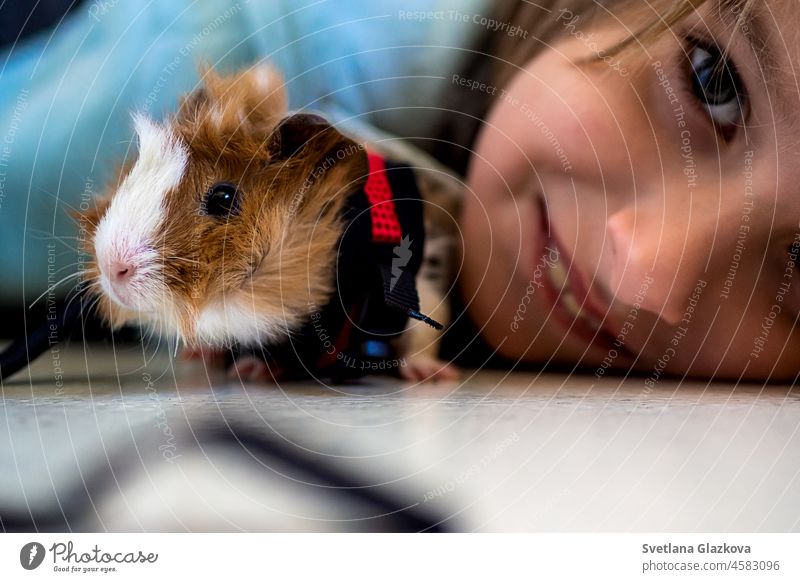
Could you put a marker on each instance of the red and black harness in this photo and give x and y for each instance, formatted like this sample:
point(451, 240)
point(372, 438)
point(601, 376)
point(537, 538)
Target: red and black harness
point(380, 253)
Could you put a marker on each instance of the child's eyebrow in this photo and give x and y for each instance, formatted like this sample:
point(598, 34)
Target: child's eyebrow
point(749, 19)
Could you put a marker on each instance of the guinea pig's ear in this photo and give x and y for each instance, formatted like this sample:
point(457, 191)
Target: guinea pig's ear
point(328, 159)
point(251, 101)
point(296, 131)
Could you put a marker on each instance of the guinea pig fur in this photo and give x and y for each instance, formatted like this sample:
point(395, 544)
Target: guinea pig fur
point(224, 229)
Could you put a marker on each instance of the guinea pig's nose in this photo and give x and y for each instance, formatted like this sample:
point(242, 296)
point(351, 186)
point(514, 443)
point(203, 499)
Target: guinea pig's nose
point(121, 271)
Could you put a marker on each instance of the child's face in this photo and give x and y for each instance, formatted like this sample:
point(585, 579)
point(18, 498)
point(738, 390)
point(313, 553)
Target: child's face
point(665, 188)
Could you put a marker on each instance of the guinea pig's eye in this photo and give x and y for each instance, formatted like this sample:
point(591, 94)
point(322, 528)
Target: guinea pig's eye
point(222, 199)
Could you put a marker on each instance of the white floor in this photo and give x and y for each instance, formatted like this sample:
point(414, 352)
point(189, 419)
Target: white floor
point(496, 453)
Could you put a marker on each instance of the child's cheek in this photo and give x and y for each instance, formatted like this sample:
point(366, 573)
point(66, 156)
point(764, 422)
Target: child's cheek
point(567, 122)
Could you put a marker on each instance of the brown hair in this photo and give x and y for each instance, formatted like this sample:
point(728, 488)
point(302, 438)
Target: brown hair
point(498, 57)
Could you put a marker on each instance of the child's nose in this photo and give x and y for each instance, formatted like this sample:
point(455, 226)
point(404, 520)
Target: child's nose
point(658, 258)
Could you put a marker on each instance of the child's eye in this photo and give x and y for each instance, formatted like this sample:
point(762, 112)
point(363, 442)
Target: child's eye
point(717, 85)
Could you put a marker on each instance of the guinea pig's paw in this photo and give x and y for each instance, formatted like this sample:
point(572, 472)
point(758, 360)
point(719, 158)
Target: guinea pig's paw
point(253, 369)
point(207, 354)
point(423, 368)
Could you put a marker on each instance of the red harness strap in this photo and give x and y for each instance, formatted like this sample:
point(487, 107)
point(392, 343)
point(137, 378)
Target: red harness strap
point(385, 229)
point(385, 224)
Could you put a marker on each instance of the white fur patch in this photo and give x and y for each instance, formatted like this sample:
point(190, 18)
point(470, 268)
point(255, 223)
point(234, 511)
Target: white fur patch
point(235, 319)
point(263, 75)
point(132, 222)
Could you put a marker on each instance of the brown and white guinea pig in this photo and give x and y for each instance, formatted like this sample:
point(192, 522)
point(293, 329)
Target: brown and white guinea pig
point(224, 229)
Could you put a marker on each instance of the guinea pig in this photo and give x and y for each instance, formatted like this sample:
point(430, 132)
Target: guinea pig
point(225, 228)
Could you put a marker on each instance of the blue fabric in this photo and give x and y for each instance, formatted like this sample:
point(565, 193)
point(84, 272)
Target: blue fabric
point(67, 94)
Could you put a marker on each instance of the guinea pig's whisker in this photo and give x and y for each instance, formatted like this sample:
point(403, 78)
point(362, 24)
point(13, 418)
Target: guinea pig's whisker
point(75, 264)
point(95, 298)
point(147, 341)
point(69, 247)
point(73, 291)
point(54, 285)
point(67, 251)
point(45, 235)
point(62, 202)
point(94, 303)
point(59, 237)
point(88, 309)
point(162, 328)
point(158, 337)
point(160, 323)
point(58, 199)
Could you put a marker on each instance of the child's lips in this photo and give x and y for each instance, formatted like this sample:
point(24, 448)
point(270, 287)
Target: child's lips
point(577, 306)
